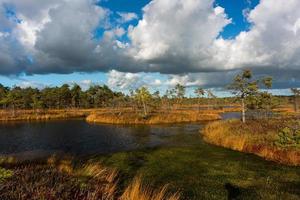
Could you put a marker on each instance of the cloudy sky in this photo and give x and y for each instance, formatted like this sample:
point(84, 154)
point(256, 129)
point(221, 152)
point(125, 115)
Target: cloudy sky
point(159, 43)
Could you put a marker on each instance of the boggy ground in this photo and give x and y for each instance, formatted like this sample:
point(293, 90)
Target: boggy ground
point(274, 139)
point(63, 180)
point(191, 172)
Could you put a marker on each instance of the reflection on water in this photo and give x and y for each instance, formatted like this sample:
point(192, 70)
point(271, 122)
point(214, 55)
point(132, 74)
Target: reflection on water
point(76, 137)
point(231, 115)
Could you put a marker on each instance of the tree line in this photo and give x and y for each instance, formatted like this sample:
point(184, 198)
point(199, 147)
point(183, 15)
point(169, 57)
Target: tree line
point(248, 91)
point(97, 96)
point(62, 97)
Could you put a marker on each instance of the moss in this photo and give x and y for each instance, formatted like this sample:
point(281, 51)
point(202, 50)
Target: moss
point(205, 172)
point(5, 174)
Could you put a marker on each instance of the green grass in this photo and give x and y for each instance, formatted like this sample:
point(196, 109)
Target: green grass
point(200, 173)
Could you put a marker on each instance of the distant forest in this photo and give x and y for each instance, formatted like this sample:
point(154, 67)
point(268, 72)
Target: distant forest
point(100, 96)
point(62, 97)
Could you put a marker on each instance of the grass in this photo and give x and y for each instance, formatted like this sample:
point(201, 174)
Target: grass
point(199, 173)
point(193, 172)
point(116, 116)
point(63, 180)
point(42, 115)
point(275, 139)
point(163, 117)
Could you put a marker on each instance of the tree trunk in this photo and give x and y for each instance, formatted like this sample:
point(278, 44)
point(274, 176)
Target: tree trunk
point(145, 109)
point(198, 104)
point(243, 111)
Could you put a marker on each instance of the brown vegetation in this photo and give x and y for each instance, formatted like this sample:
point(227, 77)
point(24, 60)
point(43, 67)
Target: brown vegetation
point(163, 117)
point(116, 116)
point(277, 139)
point(40, 115)
point(60, 179)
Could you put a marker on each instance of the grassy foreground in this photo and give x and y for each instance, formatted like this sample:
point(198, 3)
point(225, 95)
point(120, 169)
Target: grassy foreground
point(63, 180)
point(167, 174)
point(277, 139)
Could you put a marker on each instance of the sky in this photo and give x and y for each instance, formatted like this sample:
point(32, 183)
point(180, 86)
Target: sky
point(127, 44)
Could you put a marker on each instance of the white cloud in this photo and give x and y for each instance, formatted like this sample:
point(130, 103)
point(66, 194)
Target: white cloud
point(184, 80)
point(272, 42)
point(123, 80)
point(31, 84)
point(4, 34)
point(177, 34)
point(127, 16)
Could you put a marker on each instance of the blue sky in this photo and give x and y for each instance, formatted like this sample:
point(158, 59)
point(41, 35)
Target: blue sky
point(236, 11)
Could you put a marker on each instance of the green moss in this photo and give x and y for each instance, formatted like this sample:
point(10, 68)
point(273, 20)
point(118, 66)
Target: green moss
point(4, 174)
point(206, 172)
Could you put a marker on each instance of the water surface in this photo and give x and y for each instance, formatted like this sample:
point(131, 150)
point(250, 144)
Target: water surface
point(77, 137)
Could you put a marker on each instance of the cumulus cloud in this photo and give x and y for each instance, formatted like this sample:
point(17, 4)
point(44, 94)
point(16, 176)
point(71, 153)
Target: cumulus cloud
point(176, 35)
point(272, 43)
point(123, 80)
point(126, 81)
point(172, 37)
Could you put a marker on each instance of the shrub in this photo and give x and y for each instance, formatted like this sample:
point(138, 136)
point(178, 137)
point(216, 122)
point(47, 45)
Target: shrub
point(289, 136)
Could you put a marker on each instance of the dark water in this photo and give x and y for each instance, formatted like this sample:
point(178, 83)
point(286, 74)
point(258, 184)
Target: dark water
point(231, 115)
point(77, 137)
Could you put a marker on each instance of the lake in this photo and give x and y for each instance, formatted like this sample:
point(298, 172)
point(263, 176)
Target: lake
point(77, 137)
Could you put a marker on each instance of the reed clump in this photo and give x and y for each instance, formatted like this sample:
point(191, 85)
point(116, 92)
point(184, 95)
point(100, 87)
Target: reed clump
point(276, 139)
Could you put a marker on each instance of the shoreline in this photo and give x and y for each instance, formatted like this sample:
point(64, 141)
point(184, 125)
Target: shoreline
point(124, 116)
point(232, 135)
point(130, 118)
point(42, 115)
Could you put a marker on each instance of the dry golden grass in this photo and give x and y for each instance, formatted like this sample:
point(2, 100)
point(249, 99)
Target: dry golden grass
point(130, 117)
point(60, 179)
point(253, 137)
point(40, 115)
point(137, 191)
point(117, 115)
